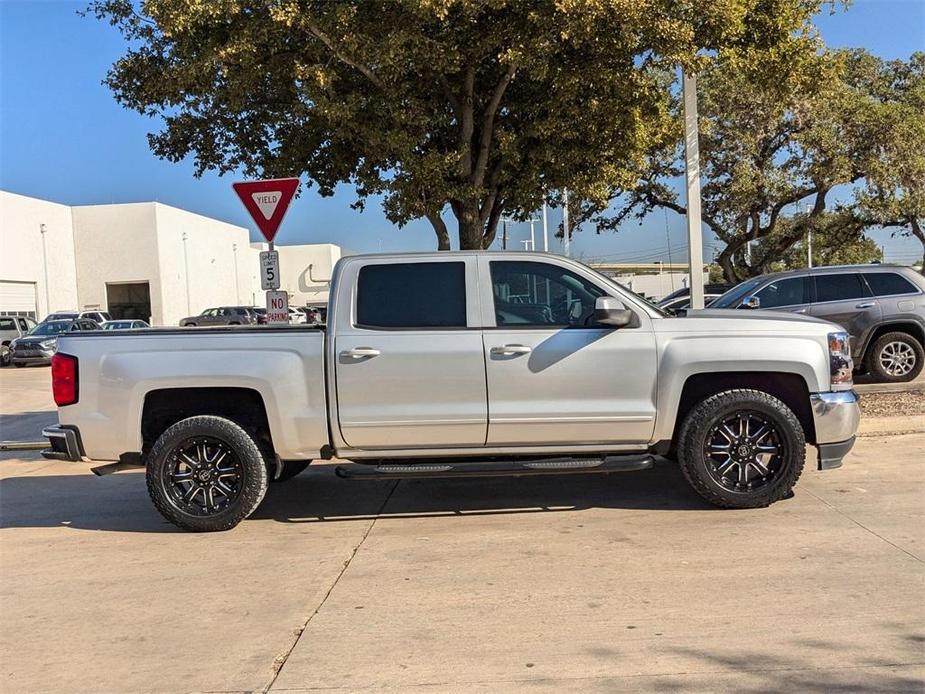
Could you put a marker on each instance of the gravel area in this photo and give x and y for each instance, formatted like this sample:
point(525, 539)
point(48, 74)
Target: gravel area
point(900, 404)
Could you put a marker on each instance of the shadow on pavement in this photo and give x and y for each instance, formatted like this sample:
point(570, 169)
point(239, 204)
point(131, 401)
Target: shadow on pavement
point(26, 426)
point(120, 503)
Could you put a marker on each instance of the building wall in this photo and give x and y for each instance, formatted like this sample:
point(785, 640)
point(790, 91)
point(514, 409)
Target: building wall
point(21, 255)
point(215, 264)
point(116, 243)
point(305, 271)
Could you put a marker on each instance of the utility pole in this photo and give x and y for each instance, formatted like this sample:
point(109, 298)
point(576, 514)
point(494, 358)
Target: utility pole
point(186, 271)
point(532, 237)
point(566, 231)
point(692, 170)
point(43, 231)
point(503, 234)
point(809, 239)
point(545, 229)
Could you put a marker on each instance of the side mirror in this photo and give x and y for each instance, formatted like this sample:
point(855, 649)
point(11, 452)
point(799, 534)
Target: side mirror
point(611, 311)
point(750, 302)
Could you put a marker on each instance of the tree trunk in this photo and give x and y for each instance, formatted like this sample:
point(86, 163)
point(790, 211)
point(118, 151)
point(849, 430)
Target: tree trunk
point(470, 226)
point(443, 236)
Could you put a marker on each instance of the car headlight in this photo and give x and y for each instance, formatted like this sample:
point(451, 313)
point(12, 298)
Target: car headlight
point(841, 366)
point(49, 344)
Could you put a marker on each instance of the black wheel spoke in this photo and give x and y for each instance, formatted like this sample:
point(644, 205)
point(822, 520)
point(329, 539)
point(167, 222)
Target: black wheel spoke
point(205, 476)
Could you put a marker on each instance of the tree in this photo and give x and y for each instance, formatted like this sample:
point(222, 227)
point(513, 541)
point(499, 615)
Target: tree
point(479, 106)
point(839, 242)
point(779, 141)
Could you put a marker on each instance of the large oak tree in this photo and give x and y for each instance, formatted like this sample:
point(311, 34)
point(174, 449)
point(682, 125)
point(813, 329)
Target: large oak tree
point(476, 106)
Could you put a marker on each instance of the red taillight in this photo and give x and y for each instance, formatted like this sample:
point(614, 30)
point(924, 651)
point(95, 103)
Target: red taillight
point(64, 379)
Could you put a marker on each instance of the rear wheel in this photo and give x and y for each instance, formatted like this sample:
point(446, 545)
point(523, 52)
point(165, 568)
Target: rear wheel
point(206, 473)
point(895, 358)
point(741, 449)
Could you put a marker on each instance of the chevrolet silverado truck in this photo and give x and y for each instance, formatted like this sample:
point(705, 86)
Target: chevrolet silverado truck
point(458, 364)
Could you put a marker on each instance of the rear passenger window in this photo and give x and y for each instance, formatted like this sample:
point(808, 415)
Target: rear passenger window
point(7, 324)
point(412, 295)
point(839, 287)
point(787, 292)
point(887, 283)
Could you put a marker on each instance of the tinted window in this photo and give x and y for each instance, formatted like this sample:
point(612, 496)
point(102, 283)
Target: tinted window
point(53, 328)
point(7, 324)
point(412, 295)
point(887, 283)
point(734, 296)
point(786, 292)
point(541, 294)
point(839, 287)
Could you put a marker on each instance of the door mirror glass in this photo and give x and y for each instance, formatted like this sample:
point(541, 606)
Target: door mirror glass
point(750, 302)
point(612, 312)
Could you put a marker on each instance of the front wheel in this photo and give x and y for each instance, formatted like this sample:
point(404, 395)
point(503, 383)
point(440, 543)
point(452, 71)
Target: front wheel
point(206, 473)
point(742, 449)
point(895, 358)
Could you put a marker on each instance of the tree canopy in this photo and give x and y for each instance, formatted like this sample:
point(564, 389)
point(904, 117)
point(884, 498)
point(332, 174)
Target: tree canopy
point(482, 107)
point(829, 142)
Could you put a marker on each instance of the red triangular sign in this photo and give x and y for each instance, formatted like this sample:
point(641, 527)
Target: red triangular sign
point(267, 201)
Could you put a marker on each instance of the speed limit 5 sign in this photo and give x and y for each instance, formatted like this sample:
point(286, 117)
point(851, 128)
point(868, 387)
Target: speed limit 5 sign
point(269, 270)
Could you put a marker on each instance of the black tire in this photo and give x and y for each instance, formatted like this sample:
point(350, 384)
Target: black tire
point(895, 357)
point(242, 456)
point(291, 468)
point(701, 433)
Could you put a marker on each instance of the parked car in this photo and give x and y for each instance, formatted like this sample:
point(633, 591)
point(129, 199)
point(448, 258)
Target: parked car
point(881, 306)
point(682, 303)
point(12, 327)
point(460, 364)
point(98, 316)
point(297, 317)
point(41, 343)
point(133, 324)
point(224, 315)
point(712, 288)
point(261, 314)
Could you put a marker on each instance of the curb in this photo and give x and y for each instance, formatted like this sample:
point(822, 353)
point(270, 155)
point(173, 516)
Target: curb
point(872, 388)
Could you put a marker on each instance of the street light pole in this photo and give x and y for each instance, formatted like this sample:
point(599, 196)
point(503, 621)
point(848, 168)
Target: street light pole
point(237, 291)
point(566, 232)
point(809, 239)
point(42, 231)
point(692, 170)
point(545, 229)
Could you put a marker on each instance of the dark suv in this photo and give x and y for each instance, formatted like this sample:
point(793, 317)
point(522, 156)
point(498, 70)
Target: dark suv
point(224, 315)
point(881, 306)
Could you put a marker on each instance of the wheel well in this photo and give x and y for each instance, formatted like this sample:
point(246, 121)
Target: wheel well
point(910, 328)
point(788, 388)
point(168, 406)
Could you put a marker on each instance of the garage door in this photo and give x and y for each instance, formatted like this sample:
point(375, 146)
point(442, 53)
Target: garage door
point(17, 298)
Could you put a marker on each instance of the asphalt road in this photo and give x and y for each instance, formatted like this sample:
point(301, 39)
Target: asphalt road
point(586, 583)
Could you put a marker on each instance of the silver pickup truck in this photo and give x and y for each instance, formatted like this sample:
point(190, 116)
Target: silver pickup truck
point(454, 364)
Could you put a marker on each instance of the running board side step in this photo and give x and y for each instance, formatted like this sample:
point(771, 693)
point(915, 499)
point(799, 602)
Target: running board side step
point(544, 466)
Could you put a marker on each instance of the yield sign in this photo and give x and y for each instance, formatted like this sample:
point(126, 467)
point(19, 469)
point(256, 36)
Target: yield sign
point(267, 201)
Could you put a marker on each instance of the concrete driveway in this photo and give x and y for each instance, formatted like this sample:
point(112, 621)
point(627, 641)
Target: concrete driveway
point(583, 583)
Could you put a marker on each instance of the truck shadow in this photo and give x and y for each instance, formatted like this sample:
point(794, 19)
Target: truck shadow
point(119, 503)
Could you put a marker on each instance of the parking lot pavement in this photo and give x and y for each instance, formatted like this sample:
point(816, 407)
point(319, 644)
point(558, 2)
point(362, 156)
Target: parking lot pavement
point(579, 583)
point(26, 404)
point(584, 582)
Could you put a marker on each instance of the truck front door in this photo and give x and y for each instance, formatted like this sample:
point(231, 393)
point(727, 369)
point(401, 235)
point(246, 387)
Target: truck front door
point(554, 377)
point(410, 370)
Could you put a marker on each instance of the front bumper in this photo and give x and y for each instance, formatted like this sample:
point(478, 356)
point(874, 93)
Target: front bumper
point(836, 416)
point(65, 443)
point(31, 357)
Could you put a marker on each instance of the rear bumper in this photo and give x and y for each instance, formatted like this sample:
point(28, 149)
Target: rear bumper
point(836, 416)
point(65, 443)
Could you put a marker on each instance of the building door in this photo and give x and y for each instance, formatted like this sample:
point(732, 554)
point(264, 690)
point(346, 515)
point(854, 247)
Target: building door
point(17, 299)
point(130, 300)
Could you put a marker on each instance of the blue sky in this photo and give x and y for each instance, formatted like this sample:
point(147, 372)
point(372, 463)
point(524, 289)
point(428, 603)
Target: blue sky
point(64, 138)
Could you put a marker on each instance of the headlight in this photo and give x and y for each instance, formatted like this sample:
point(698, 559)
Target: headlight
point(841, 366)
point(49, 344)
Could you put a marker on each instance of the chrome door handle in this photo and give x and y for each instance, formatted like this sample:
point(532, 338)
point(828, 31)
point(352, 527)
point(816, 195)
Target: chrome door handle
point(866, 304)
point(511, 349)
point(360, 352)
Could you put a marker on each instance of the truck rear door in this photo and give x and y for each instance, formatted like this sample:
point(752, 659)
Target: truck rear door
point(410, 368)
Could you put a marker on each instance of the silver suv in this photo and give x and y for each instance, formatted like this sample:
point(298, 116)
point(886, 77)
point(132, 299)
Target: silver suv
point(881, 306)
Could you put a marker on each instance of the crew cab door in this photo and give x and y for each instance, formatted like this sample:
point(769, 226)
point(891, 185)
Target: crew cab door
point(554, 377)
point(408, 359)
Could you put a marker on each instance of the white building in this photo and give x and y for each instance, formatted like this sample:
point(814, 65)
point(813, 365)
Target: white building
point(145, 260)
